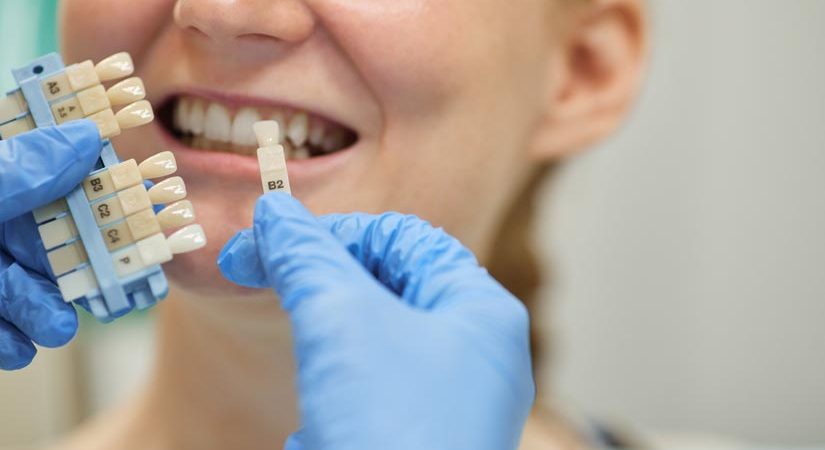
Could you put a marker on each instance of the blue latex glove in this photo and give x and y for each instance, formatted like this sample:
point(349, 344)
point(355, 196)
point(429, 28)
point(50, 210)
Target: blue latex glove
point(36, 168)
point(402, 340)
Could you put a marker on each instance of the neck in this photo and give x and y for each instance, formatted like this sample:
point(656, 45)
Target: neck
point(224, 375)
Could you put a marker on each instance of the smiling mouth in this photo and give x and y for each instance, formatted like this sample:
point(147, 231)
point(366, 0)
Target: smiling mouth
point(210, 125)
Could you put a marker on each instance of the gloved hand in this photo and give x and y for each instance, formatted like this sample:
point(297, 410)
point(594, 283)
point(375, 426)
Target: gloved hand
point(402, 340)
point(36, 168)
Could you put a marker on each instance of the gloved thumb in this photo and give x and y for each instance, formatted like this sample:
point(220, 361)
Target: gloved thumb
point(43, 165)
point(300, 257)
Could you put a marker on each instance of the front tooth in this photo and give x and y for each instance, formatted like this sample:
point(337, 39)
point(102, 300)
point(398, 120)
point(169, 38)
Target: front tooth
point(182, 115)
point(196, 117)
point(242, 133)
point(300, 153)
point(217, 125)
point(317, 130)
point(298, 129)
point(279, 117)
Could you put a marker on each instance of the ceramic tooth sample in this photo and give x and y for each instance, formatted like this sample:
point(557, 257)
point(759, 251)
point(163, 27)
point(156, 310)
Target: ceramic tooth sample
point(167, 191)
point(127, 91)
point(177, 215)
point(187, 239)
point(271, 157)
point(137, 114)
point(159, 165)
point(119, 65)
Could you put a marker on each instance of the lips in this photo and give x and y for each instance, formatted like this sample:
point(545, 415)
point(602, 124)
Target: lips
point(211, 125)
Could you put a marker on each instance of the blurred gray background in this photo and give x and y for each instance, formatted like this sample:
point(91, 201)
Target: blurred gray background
point(688, 260)
point(689, 250)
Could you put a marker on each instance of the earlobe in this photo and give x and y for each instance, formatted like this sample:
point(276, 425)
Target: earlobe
point(596, 77)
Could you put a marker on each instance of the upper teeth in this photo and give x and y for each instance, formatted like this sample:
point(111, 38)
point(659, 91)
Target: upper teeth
point(216, 122)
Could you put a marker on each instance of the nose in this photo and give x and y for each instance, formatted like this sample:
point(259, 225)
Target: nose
point(225, 21)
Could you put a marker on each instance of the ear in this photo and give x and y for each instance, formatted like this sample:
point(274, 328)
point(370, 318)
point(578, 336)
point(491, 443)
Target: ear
point(597, 69)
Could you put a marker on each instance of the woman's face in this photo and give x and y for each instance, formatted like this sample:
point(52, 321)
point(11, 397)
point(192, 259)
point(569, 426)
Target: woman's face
point(419, 106)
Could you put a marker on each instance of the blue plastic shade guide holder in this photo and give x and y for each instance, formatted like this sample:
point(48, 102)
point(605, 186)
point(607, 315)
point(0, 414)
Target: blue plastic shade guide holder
point(107, 295)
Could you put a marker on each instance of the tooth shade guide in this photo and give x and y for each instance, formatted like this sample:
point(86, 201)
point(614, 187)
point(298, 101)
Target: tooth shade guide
point(110, 124)
point(106, 123)
point(98, 185)
point(267, 133)
point(77, 284)
point(50, 211)
point(57, 232)
point(125, 175)
point(134, 199)
point(187, 239)
point(125, 203)
point(117, 236)
point(116, 66)
point(77, 253)
point(19, 126)
point(143, 224)
point(168, 191)
point(159, 165)
point(107, 211)
point(273, 169)
point(127, 91)
point(56, 86)
point(158, 249)
point(176, 215)
point(67, 110)
point(84, 75)
point(271, 157)
point(12, 106)
point(127, 261)
point(67, 258)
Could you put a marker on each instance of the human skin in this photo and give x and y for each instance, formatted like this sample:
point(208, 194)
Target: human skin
point(455, 103)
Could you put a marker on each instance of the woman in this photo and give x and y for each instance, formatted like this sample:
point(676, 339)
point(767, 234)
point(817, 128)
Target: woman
point(450, 110)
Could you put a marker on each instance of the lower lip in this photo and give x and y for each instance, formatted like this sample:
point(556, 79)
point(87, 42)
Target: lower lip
point(234, 166)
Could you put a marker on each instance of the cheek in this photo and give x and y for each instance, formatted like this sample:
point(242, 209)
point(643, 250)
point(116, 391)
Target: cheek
point(94, 29)
point(457, 83)
point(404, 50)
point(419, 55)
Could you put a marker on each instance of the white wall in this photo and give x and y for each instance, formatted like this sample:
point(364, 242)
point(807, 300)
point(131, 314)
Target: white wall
point(689, 252)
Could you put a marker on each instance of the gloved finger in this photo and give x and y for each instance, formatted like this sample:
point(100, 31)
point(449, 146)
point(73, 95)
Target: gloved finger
point(299, 257)
point(20, 239)
point(423, 264)
point(43, 165)
point(34, 305)
point(239, 261)
point(430, 270)
point(16, 351)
